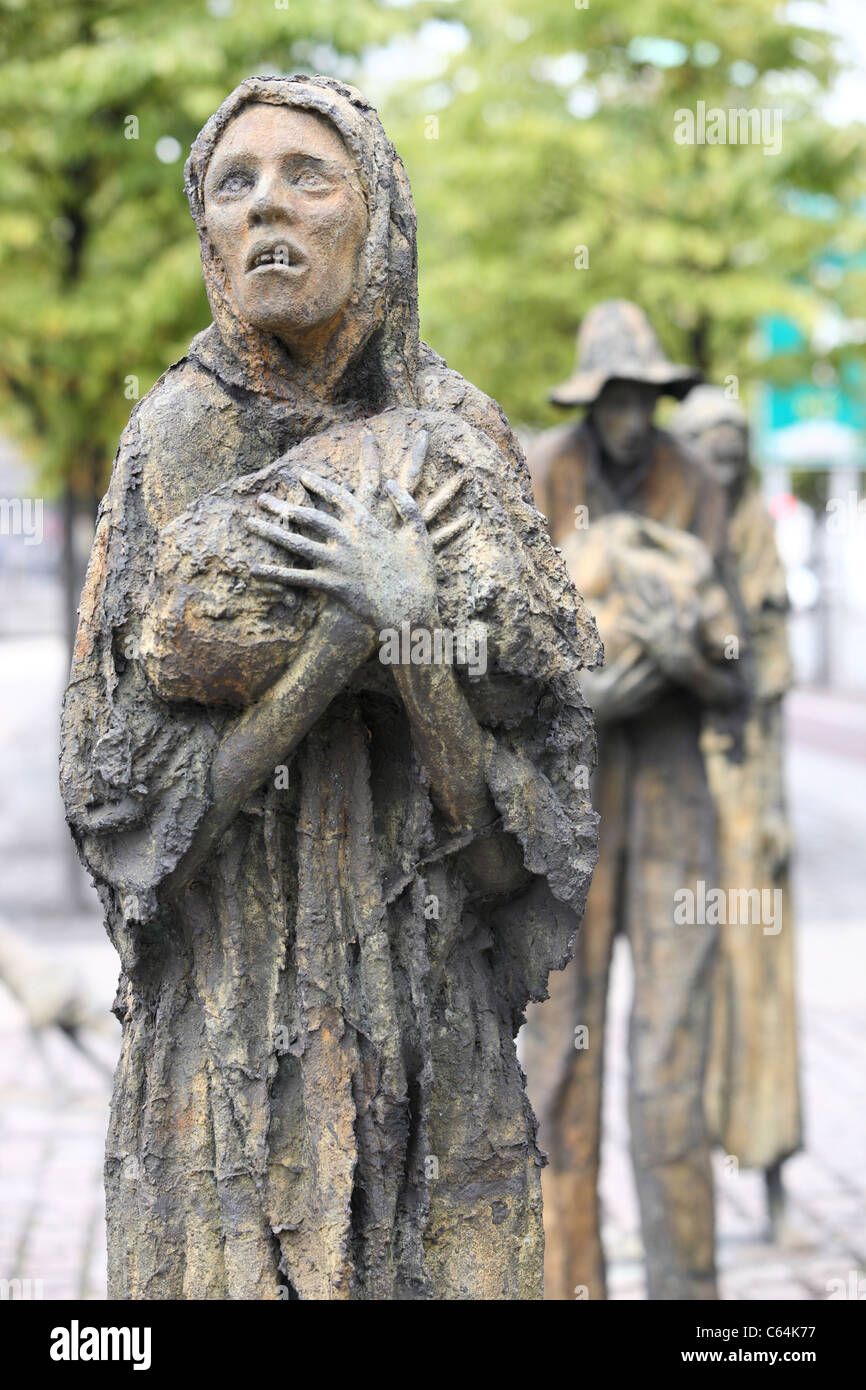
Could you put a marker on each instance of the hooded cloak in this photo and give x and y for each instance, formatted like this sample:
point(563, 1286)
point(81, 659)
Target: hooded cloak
point(318, 1094)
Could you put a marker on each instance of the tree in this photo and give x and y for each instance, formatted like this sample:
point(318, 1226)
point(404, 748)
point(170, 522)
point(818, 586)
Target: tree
point(548, 176)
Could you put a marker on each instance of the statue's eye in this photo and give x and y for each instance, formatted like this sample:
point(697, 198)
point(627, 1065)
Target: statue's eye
point(234, 183)
point(311, 181)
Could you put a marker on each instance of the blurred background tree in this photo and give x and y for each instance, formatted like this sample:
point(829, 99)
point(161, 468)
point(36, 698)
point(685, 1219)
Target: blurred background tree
point(555, 181)
point(540, 142)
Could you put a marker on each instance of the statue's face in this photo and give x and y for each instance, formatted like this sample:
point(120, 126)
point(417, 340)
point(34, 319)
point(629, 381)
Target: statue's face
point(623, 415)
point(726, 446)
point(287, 218)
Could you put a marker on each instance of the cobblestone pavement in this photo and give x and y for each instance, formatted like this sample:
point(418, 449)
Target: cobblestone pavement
point(53, 1101)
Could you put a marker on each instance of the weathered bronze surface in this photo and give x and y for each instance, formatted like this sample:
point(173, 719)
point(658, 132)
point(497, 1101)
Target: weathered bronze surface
point(753, 1094)
point(333, 884)
point(642, 525)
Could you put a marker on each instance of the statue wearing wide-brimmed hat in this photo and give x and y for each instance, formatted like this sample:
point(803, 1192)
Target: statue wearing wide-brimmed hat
point(642, 526)
point(620, 372)
point(753, 1093)
point(616, 342)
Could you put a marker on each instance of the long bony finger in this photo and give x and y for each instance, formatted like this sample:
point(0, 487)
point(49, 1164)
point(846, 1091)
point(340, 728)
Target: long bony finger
point(443, 495)
point(310, 517)
point(369, 471)
point(410, 473)
point(300, 579)
point(288, 540)
point(443, 534)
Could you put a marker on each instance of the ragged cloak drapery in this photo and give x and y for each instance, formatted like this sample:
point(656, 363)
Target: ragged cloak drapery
point(318, 1094)
point(753, 1086)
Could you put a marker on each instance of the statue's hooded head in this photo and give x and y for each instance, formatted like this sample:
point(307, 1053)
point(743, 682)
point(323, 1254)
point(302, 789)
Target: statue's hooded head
point(307, 234)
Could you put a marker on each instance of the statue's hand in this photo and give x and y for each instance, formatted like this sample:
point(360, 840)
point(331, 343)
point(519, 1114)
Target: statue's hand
point(667, 630)
point(383, 574)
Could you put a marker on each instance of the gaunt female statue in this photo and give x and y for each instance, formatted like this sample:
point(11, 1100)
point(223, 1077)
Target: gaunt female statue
point(333, 883)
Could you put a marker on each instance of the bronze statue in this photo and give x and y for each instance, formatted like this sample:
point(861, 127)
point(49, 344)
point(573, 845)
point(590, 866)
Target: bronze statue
point(334, 881)
point(642, 525)
point(753, 1094)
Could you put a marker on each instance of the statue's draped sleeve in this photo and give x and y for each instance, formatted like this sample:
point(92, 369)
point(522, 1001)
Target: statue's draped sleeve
point(540, 737)
point(134, 769)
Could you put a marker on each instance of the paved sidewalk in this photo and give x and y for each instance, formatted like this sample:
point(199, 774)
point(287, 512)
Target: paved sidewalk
point(53, 1102)
point(825, 1184)
point(54, 1110)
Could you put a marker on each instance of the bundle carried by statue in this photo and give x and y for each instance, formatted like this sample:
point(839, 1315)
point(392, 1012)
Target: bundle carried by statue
point(219, 631)
point(639, 576)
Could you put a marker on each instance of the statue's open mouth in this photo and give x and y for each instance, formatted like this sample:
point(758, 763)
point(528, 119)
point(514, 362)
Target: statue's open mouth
point(275, 255)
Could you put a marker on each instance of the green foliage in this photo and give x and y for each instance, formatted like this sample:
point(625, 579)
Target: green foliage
point(555, 131)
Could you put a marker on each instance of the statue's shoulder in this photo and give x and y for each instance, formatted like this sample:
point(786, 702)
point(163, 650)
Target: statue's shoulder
point(184, 396)
point(561, 444)
point(753, 514)
point(441, 388)
point(181, 440)
point(686, 491)
point(753, 545)
point(681, 459)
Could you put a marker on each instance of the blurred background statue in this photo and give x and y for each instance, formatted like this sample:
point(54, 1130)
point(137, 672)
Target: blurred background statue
point(333, 885)
point(642, 526)
point(753, 1092)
